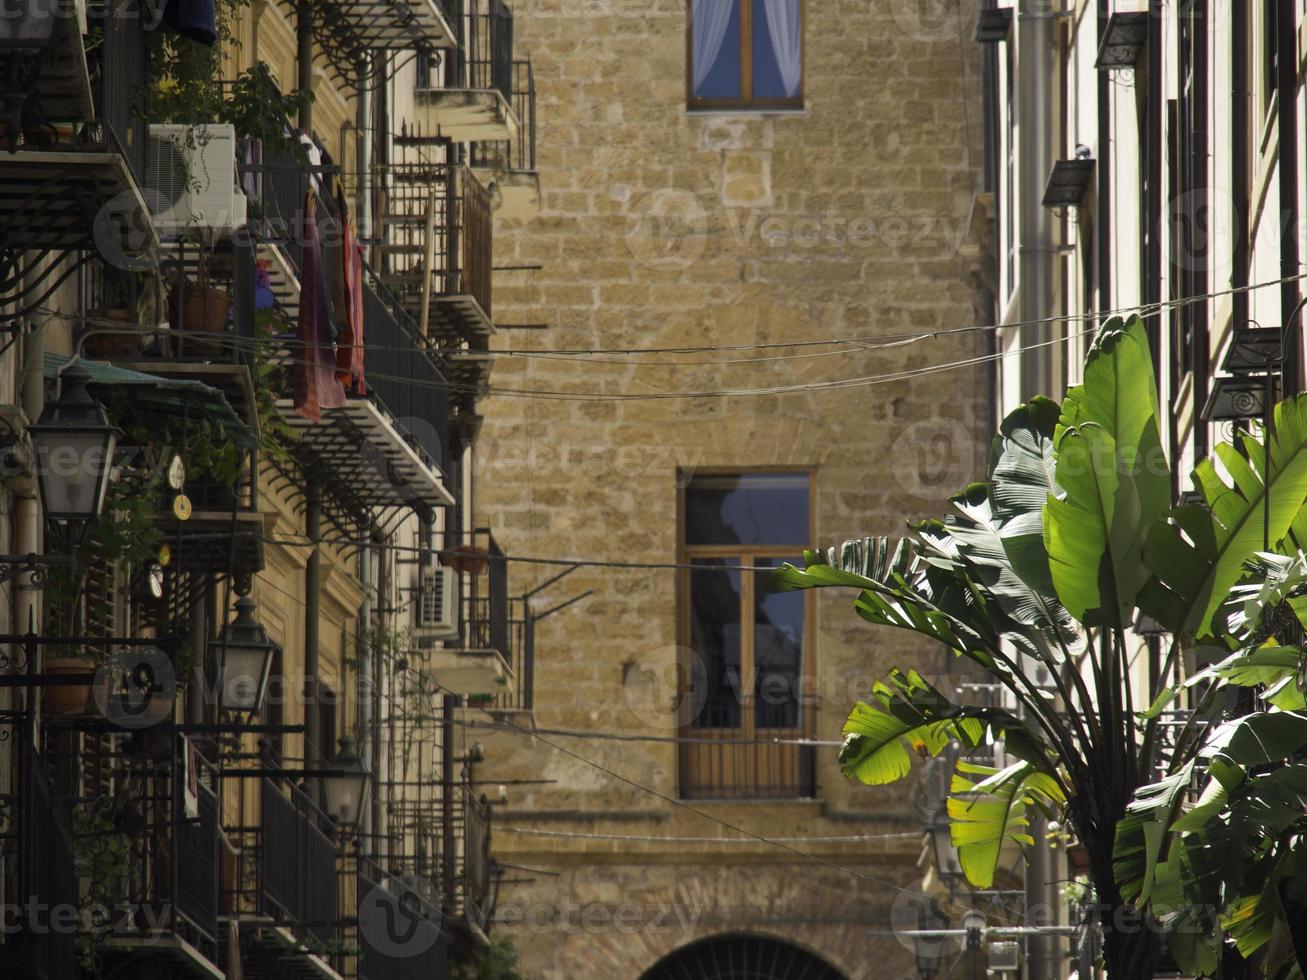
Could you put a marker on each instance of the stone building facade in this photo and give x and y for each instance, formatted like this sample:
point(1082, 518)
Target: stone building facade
point(763, 232)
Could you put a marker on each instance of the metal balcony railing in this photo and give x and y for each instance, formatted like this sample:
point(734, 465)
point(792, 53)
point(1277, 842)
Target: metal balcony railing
point(488, 52)
point(438, 223)
point(395, 908)
point(120, 76)
point(518, 154)
point(485, 603)
point(296, 865)
point(402, 374)
point(47, 879)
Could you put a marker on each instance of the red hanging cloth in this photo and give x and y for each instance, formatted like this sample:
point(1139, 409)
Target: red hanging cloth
point(314, 372)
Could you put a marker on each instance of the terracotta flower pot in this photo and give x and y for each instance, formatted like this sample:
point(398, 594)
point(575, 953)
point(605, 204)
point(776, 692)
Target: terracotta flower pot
point(205, 311)
point(66, 699)
point(111, 346)
point(465, 559)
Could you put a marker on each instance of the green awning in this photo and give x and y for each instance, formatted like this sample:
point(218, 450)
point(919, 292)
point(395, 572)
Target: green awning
point(153, 394)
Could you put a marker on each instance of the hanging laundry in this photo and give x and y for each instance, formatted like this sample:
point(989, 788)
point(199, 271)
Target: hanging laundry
point(264, 297)
point(349, 353)
point(314, 372)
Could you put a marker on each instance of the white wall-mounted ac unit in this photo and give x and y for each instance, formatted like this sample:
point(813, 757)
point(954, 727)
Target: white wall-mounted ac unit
point(191, 181)
point(435, 604)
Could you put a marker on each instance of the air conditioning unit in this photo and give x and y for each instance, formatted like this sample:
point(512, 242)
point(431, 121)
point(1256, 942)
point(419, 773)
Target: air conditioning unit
point(191, 180)
point(435, 605)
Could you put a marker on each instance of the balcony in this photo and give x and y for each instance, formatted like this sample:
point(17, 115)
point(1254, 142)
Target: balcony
point(284, 895)
point(476, 662)
point(71, 142)
point(508, 167)
point(384, 900)
point(475, 102)
point(47, 876)
point(438, 250)
point(385, 447)
point(348, 29)
point(148, 850)
point(440, 851)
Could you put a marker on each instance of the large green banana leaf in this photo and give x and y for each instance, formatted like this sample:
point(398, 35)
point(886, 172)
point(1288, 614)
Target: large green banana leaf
point(912, 718)
point(1022, 478)
point(987, 812)
point(1111, 466)
point(1200, 554)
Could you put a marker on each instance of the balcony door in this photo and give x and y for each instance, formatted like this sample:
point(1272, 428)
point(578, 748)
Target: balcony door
point(747, 676)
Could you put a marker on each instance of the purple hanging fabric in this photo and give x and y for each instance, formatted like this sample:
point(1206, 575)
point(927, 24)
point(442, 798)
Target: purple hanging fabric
point(315, 381)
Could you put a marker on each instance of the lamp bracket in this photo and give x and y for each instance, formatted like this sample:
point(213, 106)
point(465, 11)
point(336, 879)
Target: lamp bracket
point(12, 566)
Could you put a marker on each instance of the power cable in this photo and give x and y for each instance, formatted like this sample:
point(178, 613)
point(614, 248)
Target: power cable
point(769, 841)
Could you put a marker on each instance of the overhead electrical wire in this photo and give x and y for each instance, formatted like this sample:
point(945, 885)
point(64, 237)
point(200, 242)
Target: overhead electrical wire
point(671, 739)
point(777, 843)
point(855, 344)
point(651, 839)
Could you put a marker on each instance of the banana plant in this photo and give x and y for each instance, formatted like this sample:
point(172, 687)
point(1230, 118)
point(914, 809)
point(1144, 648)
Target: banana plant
point(1037, 577)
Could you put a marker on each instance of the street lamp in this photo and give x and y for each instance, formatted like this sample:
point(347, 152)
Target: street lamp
point(73, 443)
point(246, 653)
point(947, 864)
point(346, 792)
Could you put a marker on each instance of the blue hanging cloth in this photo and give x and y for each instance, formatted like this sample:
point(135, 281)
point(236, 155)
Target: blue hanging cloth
point(193, 19)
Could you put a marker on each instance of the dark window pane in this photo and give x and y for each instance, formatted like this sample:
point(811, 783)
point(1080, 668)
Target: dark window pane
point(751, 509)
point(776, 49)
point(715, 606)
point(715, 49)
point(778, 620)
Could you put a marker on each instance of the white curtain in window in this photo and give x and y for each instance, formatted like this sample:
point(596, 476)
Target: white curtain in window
point(786, 42)
point(711, 18)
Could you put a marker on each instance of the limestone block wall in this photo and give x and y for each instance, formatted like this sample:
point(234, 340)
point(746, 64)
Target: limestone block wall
point(662, 228)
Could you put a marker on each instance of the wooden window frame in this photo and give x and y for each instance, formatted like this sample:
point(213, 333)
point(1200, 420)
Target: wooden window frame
point(746, 101)
point(808, 703)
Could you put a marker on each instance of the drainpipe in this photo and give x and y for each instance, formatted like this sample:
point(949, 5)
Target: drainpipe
point(27, 508)
point(363, 151)
point(380, 823)
point(1287, 118)
point(364, 692)
point(199, 685)
point(304, 61)
point(448, 843)
point(313, 747)
point(1037, 79)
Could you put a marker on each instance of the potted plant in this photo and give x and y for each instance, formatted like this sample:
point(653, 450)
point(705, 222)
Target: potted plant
point(465, 559)
point(66, 700)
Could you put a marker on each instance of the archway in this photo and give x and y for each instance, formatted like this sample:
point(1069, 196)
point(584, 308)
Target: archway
point(742, 958)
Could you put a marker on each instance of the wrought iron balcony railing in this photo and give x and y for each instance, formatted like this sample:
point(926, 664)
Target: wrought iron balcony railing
point(288, 868)
point(516, 154)
point(72, 136)
point(489, 48)
point(437, 254)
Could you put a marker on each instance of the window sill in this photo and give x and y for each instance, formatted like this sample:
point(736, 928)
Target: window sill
point(744, 111)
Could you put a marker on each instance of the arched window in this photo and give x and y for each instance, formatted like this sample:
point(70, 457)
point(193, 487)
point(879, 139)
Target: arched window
point(742, 958)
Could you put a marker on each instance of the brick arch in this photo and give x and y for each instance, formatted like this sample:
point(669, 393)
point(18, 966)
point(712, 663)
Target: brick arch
point(743, 956)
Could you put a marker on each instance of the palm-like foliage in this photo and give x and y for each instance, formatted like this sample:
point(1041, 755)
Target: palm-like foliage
point(1037, 577)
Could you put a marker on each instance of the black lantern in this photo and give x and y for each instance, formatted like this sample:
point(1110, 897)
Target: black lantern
point(1123, 41)
point(74, 445)
point(947, 864)
point(346, 792)
point(245, 655)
